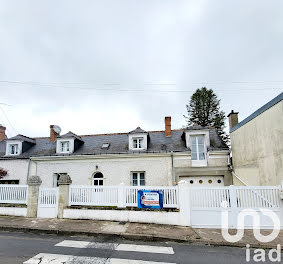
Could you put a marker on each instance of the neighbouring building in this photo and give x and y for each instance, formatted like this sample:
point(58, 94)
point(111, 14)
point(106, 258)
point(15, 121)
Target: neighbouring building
point(151, 158)
point(257, 145)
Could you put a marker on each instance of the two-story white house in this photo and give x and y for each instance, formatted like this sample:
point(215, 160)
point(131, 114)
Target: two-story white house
point(151, 158)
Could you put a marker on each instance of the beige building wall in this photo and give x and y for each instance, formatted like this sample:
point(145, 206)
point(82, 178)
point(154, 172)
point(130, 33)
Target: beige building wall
point(118, 168)
point(257, 148)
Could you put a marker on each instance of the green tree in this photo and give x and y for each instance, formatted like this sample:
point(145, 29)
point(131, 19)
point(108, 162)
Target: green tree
point(204, 110)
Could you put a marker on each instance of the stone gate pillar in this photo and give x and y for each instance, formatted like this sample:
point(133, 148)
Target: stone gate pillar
point(63, 200)
point(34, 183)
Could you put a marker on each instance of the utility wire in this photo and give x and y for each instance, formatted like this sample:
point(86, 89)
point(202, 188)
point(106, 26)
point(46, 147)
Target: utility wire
point(139, 90)
point(8, 120)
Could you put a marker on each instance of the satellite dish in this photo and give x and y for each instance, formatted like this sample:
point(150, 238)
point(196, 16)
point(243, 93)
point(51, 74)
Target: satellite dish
point(57, 129)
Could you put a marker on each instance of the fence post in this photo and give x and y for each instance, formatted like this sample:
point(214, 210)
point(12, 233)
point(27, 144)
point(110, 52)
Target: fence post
point(184, 203)
point(33, 191)
point(63, 200)
point(121, 196)
point(234, 207)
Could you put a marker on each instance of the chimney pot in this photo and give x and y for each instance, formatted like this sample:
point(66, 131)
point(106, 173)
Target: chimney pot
point(233, 119)
point(53, 134)
point(168, 130)
point(2, 132)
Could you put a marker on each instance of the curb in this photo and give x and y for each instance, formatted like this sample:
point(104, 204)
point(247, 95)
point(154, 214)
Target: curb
point(141, 237)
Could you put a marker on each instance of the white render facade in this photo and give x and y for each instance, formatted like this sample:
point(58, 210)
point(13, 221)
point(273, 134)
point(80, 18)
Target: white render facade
point(153, 159)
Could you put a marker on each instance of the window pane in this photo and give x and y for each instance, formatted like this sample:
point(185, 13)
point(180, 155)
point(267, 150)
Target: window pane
point(194, 141)
point(201, 156)
point(135, 143)
point(194, 148)
point(140, 143)
point(101, 182)
point(135, 176)
point(142, 175)
point(194, 156)
point(142, 182)
point(200, 139)
point(135, 182)
point(95, 182)
point(200, 147)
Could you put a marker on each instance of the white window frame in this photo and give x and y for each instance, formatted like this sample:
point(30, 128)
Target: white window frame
point(138, 178)
point(65, 146)
point(62, 141)
point(197, 147)
point(13, 143)
point(98, 179)
point(13, 148)
point(139, 143)
point(205, 133)
point(142, 136)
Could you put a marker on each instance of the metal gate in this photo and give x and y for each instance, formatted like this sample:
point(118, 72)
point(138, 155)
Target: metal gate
point(47, 203)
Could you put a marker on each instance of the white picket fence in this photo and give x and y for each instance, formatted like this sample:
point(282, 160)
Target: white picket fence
point(13, 194)
point(206, 205)
point(170, 195)
point(93, 195)
point(240, 197)
point(121, 196)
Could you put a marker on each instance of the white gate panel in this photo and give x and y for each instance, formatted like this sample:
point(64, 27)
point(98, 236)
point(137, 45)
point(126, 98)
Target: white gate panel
point(47, 203)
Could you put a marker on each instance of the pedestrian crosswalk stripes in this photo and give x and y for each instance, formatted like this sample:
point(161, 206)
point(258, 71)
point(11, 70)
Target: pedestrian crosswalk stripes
point(118, 247)
point(44, 258)
point(48, 258)
point(86, 244)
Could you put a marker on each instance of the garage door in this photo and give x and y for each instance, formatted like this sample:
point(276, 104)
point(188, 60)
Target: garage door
point(199, 181)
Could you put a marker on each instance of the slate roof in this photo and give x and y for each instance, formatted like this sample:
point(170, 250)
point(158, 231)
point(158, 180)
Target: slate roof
point(138, 130)
point(70, 134)
point(157, 143)
point(22, 138)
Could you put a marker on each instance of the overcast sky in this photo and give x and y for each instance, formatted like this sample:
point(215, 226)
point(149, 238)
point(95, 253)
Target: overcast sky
point(110, 66)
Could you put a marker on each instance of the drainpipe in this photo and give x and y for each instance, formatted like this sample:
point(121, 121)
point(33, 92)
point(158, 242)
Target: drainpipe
point(172, 166)
point(29, 160)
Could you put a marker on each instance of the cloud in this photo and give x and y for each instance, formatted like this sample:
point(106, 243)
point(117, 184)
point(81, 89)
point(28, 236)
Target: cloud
point(109, 66)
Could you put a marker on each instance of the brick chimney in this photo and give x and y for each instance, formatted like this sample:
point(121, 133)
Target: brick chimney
point(53, 134)
point(233, 119)
point(168, 131)
point(2, 132)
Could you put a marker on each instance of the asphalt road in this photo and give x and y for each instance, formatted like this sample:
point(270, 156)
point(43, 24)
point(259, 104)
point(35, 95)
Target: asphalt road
point(16, 248)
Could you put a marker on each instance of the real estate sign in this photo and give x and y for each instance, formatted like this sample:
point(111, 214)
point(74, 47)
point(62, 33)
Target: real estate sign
point(150, 199)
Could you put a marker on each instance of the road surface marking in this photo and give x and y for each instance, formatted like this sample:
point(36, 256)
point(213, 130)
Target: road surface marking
point(145, 248)
point(43, 258)
point(118, 247)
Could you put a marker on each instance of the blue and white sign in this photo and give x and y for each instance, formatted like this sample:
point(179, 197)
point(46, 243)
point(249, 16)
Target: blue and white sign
point(150, 199)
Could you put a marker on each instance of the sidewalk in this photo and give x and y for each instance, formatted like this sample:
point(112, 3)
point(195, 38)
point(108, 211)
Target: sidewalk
point(134, 231)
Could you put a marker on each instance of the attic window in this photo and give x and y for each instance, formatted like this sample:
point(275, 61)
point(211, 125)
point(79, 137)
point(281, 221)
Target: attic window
point(65, 146)
point(13, 149)
point(105, 145)
point(138, 143)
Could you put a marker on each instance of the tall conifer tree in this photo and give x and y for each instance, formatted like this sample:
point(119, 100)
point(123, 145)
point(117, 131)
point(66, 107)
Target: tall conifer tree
point(204, 110)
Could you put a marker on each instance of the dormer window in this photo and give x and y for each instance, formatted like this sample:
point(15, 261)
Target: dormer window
point(138, 139)
point(68, 143)
point(13, 149)
point(197, 140)
point(65, 146)
point(138, 143)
